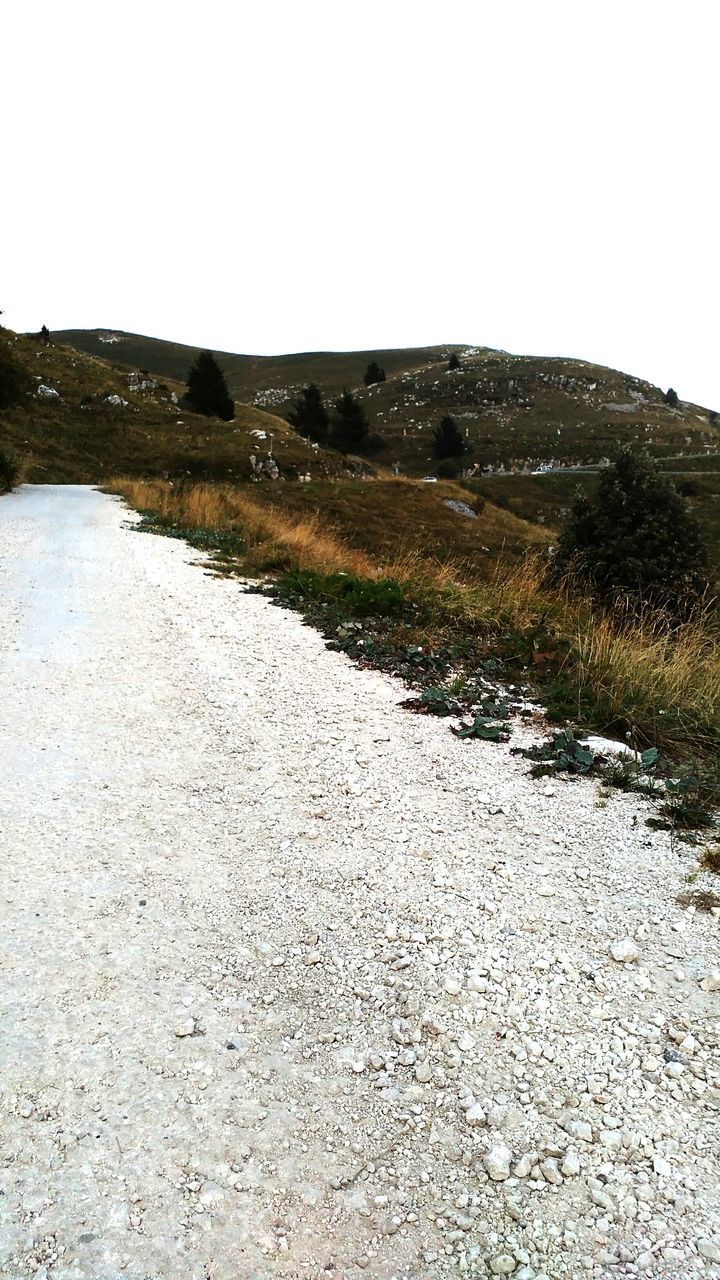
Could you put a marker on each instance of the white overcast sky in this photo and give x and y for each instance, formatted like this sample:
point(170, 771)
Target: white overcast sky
point(538, 175)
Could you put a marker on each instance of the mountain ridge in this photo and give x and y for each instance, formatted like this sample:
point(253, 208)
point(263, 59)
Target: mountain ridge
point(517, 411)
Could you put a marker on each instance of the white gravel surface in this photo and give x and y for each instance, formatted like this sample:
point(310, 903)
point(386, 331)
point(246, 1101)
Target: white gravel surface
point(295, 983)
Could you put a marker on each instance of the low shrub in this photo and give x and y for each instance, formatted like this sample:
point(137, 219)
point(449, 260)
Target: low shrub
point(9, 472)
point(361, 596)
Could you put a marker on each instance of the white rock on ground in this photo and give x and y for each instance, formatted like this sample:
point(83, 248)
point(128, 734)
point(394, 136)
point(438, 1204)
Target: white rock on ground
point(181, 805)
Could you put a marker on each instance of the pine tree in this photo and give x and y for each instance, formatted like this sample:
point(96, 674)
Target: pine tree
point(454, 361)
point(374, 373)
point(207, 389)
point(309, 416)
point(350, 428)
point(15, 381)
point(636, 538)
point(448, 440)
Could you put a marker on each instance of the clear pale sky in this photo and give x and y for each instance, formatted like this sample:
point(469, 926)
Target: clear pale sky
point(268, 177)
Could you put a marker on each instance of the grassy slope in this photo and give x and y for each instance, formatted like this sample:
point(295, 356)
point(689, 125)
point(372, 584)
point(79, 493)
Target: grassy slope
point(394, 519)
point(81, 438)
point(249, 376)
point(518, 410)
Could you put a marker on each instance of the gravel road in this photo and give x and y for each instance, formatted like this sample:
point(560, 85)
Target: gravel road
point(297, 984)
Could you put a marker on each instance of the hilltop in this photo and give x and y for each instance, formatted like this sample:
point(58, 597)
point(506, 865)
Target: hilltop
point(518, 412)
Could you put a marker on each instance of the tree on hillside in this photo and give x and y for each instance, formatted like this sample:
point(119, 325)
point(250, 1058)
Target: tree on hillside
point(15, 381)
point(671, 397)
point(454, 361)
point(207, 389)
point(9, 472)
point(636, 538)
point(349, 427)
point(448, 440)
point(374, 373)
point(309, 416)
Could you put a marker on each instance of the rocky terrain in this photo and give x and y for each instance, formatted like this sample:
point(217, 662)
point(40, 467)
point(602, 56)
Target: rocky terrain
point(518, 412)
point(297, 984)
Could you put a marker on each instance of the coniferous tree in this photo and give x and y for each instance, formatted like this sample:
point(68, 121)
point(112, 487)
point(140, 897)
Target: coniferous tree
point(636, 538)
point(349, 426)
point(448, 440)
point(454, 361)
point(374, 373)
point(15, 381)
point(9, 472)
point(309, 416)
point(207, 389)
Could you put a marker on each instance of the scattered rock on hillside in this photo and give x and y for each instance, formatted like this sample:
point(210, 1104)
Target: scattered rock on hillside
point(264, 468)
point(462, 508)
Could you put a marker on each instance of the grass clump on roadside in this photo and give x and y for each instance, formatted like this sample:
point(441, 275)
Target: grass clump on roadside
point(461, 621)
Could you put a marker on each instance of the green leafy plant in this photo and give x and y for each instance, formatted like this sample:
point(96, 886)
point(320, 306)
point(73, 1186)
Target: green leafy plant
point(633, 772)
point(562, 752)
point(486, 728)
point(435, 701)
point(691, 800)
point(359, 596)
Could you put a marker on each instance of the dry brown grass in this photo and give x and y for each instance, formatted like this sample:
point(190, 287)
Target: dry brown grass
point(274, 539)
point(665, 682)
point(662, 682)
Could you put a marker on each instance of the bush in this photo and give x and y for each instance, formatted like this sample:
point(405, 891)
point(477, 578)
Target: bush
point(454, 361)
point(671, 398)
point(9, 472)
point(636, 538)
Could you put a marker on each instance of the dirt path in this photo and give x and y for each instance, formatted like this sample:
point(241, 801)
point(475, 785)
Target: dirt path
point(296, 984)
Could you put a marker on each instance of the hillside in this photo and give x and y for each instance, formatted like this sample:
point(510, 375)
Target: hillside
point(87, 420)
point(519, 412)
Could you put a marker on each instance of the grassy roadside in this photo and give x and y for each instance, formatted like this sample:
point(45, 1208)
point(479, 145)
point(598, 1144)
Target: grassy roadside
point(460, 625)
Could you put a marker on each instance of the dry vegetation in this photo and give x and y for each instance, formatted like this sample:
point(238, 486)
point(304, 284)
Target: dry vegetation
point(660, 684)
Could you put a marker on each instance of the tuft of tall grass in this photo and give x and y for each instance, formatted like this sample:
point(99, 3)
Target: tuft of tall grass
point(275, 541)
point(663, 683)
